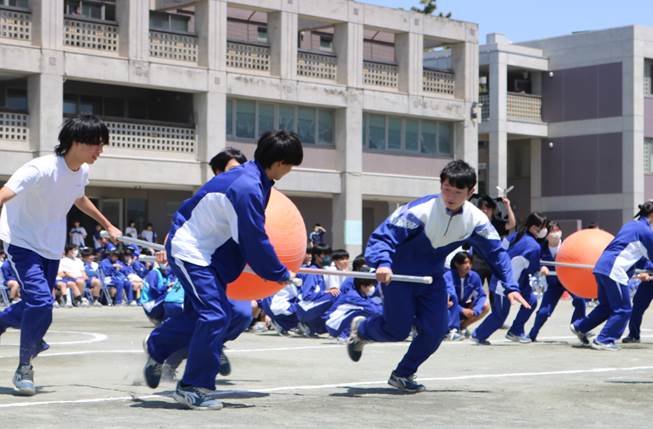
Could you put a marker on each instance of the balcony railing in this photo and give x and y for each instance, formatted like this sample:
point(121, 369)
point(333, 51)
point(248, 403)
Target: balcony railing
point(248, 56)
point(438, 81)
point(173, 46)
point(647, 86)
point(484, 100)
point(14, 127)
point(384, 75)
point(524, 107)
point(317, 65)
point(15, 24)
point(91, 34)
point(146, 136)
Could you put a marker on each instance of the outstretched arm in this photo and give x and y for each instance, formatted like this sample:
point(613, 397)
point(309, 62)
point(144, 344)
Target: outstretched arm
point(87, 207)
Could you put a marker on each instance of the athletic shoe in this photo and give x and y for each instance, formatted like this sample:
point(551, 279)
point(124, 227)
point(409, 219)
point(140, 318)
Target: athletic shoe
point(69, 305)
point(277, 327)
point(305, 330)
point(597, 345)
point(24, 380)
point(56, 304)
point(133, 304)
point(405, 384)
point(521, 339)
point(583, 337)
point(480, 342)
point(225, 365)
point(630, 340)
point(85, 302)
point(354, 343)
point(152, 370)
point(454, 335)
point(196, 398)
point(42, 347)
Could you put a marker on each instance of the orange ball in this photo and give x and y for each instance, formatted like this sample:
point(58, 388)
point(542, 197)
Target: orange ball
point(287, 232)
point(582, 247)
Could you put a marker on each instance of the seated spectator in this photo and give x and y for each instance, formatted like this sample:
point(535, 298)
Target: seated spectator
point(120, 287)
point(358, 301)
point(467, 299)
point(148, 234)
point(134, 279)
point(93, 281)
point(71, 271)
point(339, 262)
point(159, 283)
point(315, 296)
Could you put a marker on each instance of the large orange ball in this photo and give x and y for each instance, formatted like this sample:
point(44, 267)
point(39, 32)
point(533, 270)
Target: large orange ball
point(582, 247)
point(287, 232)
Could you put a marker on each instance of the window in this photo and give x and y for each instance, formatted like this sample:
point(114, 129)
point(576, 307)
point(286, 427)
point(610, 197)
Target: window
point(648, 156)
point(69, 104)
point(229, 119)
point(169, 22)
point(114, 107)
point(394, 133)
point(287, 118)
point(16, 99)
point(412, 135)
point(104, 10)
point(326, 42)
point(306, 124)
point(265, 118)
point(137, 109)
point(21, 4)
point(444, 137)
point(90, 105)
point(376, 133)
point(245, 119)
point(326, 126)
point(262, 34)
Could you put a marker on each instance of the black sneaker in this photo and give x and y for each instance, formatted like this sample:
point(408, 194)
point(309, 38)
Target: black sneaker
point(225, 365)
point(152, 370)
point(630, 340)
point(196, 398)
point(405, 384)
point(582, 336)
point(354, 343)
point(24, 380)
point(42, 347)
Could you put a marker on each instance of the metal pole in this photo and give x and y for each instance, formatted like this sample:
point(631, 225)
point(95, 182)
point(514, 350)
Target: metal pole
point(567, 265)
point(136, 241)
point(427, 280)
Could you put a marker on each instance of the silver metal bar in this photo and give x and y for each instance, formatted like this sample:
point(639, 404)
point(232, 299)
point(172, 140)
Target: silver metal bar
point(427, 280)
point(136, 241)
point(567, 265)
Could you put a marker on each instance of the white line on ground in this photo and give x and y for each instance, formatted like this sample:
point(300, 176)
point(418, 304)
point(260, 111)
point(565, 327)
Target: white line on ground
point(345, 384)
point(95, 338)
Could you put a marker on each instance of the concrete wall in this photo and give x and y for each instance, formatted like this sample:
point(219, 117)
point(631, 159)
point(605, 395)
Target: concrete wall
point(608, 220)
point(648, 116)
point(316, 210)
point(403, 164)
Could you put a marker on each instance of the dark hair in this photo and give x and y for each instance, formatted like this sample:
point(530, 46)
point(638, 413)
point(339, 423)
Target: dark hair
point(553, 224)
point(321, 249)
point(485, 201)
point(359, 261)
point(219, 162)
point(279, 145)
point(533, 219)
point(459, 174)
point(339, 254)
point(459, 258)
point(68, 248)
point(87, 252)
point(364, 282)
point(86, 129)
point(644, 209)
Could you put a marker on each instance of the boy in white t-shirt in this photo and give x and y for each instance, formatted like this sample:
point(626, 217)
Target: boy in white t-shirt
point(35, 202)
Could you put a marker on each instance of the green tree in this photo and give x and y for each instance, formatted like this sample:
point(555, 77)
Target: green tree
point(429, 7)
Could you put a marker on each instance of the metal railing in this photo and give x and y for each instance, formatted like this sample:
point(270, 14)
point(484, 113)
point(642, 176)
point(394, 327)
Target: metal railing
point(317, 65)
point(173, 46)
point(248, 56)
point(90, 34)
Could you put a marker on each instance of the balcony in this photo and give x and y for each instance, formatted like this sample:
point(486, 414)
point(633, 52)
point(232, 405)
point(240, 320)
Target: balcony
point(152, 137)
point(174, 46)
point(91, 34)
point(524, 107)
point(14, 127)
point(15, 24)
point(438, 82)
point(484, 100)
point(249, 56)
point(379, 74)
point(317, 65)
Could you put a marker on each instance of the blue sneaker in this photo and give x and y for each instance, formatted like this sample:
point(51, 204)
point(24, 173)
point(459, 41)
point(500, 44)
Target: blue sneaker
point(582, 336)
point(354, 343)
point(152, 370)
point(478, 341)
point(598, 345)
point(196, 398)
point(225, 365)
point(405, 384)
point(521, 339)
point(24, 380)
point(630, 340)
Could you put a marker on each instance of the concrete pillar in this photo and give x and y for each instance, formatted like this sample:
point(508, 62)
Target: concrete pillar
point(47, 23)
point(633, 131)
point(409, 51)
point(282, 33)
point(211, 27)
point(45, 104)
point(210, 115)
point(498, 145)
point(348, 46)
point(348, 205)
point(133, 18)
point(536, 172)
point(465, 66)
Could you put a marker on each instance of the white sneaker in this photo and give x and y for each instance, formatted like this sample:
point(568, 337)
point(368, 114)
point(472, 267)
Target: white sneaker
point(85, 302)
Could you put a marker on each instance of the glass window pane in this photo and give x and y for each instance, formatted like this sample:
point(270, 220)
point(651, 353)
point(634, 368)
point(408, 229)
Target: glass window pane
point(159, 21)
point(179, 23)
point(137, 109)
point(114, 107)
point(286, 118)
point(110, 12)
point(262, 34)
point(245, 119)
point(17, 99)
point(91, 105)
point(376, 132)
point(92, 11)
point(306, 124)
point(230, 117)
point(429, 134)
point(412, 135)
point(265, 118)
point(70, 104)
point(325, 127)
point(444, 138)
point(394, 133)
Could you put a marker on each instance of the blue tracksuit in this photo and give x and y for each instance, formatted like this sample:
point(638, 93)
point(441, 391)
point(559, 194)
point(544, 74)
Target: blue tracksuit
point(615, 266)
point(314, 301)
point(282, 307)
point(154, 296)
point(117, 278)
point(214, 234)
point(415, 240)
point(525, 260)
point(8, 272)
point(641, 302)
point(465, 292)
point(552, 295)
point(349, 305)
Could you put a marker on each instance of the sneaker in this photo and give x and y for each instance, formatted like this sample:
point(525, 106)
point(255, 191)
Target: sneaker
point(630, 340)
point(521, 339)
point(69, 305)
point(24, 380)
point(305, 330)
point(454, 335)
point(133, 304)
point(97, 303)
point(152, 370)
point(354, 342)
point(480, 342)
point(55, 304)
point(225, 365)
point(405, 384)
point(85, 302)
point(597, 345)
point(466, 333)
point(583, 337)
point(277, 327)
point(42, 347)
point(196, 398)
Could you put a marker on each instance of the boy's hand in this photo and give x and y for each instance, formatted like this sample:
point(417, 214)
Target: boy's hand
point(384, 275)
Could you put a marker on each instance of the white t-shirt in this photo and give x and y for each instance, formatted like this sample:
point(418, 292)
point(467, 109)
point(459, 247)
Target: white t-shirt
point(73, 266)
point(35, 218)
point(131, 231)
